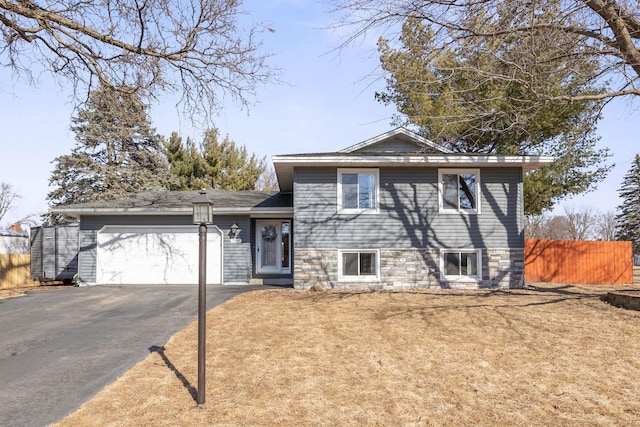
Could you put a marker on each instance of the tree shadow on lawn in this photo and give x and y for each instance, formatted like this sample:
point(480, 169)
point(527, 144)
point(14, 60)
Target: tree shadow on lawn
point(518, 297)
point(185, 382)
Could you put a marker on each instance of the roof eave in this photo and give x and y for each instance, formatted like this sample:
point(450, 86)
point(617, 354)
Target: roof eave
point(76, 212)
point(284, 165)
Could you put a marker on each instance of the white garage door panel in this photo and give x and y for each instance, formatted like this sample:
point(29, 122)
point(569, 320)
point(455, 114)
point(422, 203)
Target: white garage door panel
point(150, 255)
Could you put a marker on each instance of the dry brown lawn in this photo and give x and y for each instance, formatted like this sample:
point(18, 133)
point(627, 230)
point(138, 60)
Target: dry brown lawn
point(547, 355)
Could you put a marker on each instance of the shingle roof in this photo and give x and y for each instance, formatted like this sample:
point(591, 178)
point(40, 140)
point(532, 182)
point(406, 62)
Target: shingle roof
point(12, 233)
point(163, 201)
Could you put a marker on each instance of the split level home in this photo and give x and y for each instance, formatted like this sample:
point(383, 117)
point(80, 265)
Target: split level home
point(395, 211)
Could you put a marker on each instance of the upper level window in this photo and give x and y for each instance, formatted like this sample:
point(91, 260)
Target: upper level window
point(357, 190)
point(459, 190)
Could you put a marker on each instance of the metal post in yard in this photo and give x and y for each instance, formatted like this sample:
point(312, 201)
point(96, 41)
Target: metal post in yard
point(202, 312)
point(203, 215)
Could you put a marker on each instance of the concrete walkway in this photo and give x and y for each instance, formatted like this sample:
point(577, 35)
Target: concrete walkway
point(59, 347)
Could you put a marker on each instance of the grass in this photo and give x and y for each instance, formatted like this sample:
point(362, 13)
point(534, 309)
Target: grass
point(549, 355)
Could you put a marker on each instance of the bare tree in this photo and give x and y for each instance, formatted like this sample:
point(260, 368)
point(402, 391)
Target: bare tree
point(535, 226)
point(8, 197)
point(195, 48)
point(580, 223)
point(268, 181)
point(601, 38)
point(605, 227)
point(547, 227)
point(575, 224)
point(557, 228)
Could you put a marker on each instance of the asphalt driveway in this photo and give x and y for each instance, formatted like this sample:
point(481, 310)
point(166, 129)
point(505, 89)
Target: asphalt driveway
point(59, 347)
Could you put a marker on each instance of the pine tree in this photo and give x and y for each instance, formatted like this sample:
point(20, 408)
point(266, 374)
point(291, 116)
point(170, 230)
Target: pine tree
point(186, 164)
point(117, 152)
point(628, 217)
point(437, 92)
point(222, 165)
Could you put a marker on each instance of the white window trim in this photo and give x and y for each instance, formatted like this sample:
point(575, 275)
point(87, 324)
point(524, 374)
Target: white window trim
point(343, 278)
point(446, 278)
point(376, 174)
point(441, 207)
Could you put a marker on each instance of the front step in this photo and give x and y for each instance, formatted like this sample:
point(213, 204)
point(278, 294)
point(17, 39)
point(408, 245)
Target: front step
point(268, 281)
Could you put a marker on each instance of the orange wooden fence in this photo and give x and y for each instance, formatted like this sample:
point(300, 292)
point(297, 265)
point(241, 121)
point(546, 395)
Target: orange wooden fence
point(578, 262)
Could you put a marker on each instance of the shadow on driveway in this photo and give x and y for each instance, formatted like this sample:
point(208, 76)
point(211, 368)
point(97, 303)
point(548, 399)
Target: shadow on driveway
point(60, 347)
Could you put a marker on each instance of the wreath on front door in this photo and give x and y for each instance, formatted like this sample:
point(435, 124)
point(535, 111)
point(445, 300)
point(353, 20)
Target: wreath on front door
point(269, 233)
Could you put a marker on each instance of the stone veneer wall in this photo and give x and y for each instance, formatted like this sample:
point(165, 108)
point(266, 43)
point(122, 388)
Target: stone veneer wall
point(408, 268)
point(505, 268)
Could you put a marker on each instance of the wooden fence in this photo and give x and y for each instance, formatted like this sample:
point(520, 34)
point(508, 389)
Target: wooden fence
point(15, 271)
point(578, 262)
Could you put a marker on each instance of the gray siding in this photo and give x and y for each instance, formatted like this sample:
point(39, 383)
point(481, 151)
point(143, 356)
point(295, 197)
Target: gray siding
point(408, 212)
point(398, 144)
point(391, 146)
point(87, 256)
point(54, 253)
point(35, 250)
point(236, 256)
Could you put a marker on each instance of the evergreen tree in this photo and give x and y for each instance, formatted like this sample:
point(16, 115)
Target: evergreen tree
point(186, 164)
point(440, 92)
point(222, 165)
point(602, 33)
point(117, 152)
point(628, 217)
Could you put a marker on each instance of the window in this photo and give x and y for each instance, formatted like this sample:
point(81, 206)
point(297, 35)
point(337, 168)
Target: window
point(460, 264)
point(285, 253)
point(459, 190)
point(357, 190)
point(358, 265)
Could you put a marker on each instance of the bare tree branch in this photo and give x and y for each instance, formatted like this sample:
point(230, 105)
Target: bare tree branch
point(8, 197)
point(196, 48)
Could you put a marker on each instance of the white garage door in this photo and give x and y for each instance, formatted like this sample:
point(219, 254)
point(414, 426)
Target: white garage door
point(155, 255)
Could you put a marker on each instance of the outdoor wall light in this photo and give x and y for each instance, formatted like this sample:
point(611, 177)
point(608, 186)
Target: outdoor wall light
point(235, 232)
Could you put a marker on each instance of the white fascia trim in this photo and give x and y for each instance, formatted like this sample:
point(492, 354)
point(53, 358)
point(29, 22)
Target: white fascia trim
point(272, 212)
point(454, 160)
point(76, 212)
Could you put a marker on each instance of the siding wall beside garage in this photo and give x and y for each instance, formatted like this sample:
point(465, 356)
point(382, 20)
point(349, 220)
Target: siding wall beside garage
point(236, 256)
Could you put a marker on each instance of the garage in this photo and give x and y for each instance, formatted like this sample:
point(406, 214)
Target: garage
point(155, 255)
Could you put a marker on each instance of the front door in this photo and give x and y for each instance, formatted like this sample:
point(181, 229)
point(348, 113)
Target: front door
point(273, 247)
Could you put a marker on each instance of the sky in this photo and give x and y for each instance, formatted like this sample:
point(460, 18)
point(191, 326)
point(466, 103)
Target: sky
point(324, 103)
